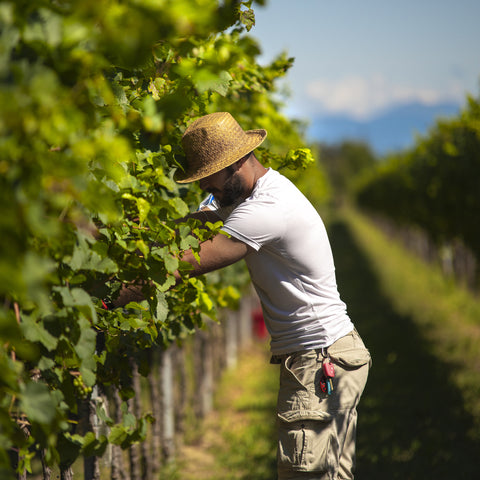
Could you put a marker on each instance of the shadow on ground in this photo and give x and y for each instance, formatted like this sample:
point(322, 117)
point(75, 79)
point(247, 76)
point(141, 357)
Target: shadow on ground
point(412, 424)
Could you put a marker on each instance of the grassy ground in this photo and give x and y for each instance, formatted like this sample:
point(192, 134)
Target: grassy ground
point(417, 416)
point(238, 439)
point(420, 414)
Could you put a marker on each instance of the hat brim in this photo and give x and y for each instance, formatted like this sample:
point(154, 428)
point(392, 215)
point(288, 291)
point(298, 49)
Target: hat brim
point(254, 138)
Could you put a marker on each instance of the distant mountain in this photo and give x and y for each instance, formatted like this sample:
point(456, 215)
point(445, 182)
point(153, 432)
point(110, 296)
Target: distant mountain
point(392, 129)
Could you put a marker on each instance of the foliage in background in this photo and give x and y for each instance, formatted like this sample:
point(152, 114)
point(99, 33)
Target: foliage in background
point(94, 98)
point(435, 184)
point(345, 163)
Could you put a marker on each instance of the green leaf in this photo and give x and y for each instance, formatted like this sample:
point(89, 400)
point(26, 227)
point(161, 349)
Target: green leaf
point(37, 403)
point(69, 446)
point(205, 301)
point(129, 420)
point(77, 297)
point(118, 434)
point(85, 349)
point(137, 323)
point(162, 309)
point(25, 459)
point(84, 258)
point(170, 261)
point(103, 416)
point(46, 363)
point(247, 17)
point(189, 242)
point(205, 80)
point(35, 332)
point(180, 207)
point(143, 247)
point(299, 158)
point(143, 206)
point(9, 371)
point(93, 446)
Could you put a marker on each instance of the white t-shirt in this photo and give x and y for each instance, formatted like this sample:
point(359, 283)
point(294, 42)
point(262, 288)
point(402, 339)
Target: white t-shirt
point(292, 267)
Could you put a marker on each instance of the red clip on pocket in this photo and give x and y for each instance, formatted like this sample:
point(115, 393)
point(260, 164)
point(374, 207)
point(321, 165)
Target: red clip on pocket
point(328, 369)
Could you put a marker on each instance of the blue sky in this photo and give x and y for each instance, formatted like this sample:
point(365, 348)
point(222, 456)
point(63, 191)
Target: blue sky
point(358, 57)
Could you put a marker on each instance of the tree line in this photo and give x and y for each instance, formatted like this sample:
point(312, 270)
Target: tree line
point(433, 188)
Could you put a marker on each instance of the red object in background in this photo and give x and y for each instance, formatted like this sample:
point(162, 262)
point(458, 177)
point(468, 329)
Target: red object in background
point(258, 323)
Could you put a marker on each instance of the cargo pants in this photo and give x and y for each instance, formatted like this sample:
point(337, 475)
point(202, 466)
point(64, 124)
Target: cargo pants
point(317, 431)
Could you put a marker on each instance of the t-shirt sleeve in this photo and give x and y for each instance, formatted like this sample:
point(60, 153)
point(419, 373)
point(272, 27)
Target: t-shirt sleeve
point(255, 223)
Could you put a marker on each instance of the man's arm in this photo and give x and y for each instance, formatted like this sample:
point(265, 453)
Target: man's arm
point(218, 252)
point(203, 215)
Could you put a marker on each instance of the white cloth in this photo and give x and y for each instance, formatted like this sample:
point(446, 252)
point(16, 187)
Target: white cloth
point(292, 267)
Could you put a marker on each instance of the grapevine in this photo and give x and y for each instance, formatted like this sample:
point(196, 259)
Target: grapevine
point(92, 113)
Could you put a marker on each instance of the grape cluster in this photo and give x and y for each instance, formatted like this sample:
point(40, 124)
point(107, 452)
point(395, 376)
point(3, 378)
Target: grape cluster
point(82, 390)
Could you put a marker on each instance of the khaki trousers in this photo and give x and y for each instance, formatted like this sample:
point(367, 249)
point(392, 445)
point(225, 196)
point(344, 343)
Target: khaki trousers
point(316, 431)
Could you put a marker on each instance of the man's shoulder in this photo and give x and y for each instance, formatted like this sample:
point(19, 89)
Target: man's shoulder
point(279, 190)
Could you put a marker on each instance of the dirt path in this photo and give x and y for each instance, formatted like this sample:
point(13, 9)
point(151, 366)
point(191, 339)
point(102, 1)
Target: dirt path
point(197, 460)
point(237, 440)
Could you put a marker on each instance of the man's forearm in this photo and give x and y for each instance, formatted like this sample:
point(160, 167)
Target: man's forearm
point(129, 293)
point(203, 215)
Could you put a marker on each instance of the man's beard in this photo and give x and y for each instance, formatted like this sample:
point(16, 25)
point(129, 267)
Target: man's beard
point(233, 190)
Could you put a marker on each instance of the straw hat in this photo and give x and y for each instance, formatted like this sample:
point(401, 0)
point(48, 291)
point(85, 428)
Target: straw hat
point(214, 142)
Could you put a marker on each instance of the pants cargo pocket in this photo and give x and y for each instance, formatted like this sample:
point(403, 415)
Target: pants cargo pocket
point(351, 359)
point(350, 352)
point(307, 442)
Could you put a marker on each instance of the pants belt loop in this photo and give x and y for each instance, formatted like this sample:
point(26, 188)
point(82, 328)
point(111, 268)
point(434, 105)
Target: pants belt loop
point(322, 353)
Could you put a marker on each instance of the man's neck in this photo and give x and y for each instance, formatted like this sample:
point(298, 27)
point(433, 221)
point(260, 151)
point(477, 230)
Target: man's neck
point(258, 171)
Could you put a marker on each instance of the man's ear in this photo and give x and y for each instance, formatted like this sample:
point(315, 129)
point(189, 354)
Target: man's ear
point(240, 162)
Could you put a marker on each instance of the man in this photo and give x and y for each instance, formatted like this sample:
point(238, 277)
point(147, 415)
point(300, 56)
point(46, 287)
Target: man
point(275, 229)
